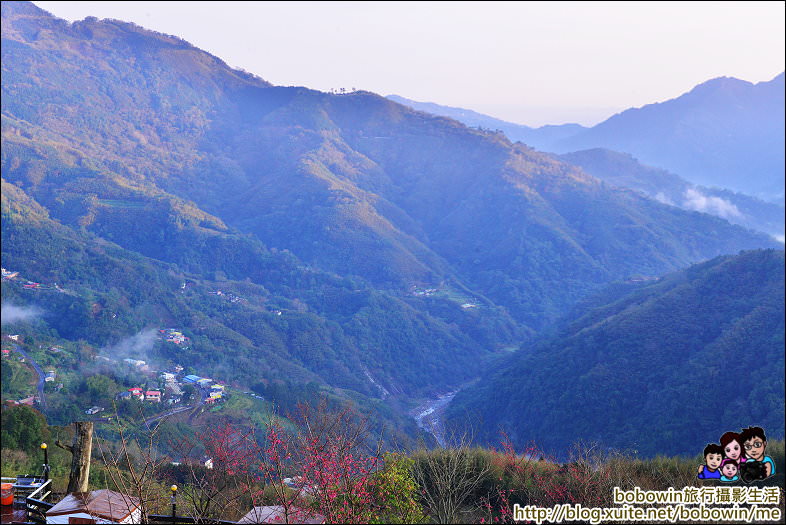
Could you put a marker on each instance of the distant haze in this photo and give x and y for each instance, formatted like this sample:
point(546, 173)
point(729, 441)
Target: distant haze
point(533, 62)
point(136, 346)
point(11, 313)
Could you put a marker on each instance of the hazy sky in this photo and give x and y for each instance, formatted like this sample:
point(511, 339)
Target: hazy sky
point(530, 62)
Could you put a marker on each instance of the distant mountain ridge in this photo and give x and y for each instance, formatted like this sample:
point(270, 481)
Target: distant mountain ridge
point(541, 138)
point(725, 132)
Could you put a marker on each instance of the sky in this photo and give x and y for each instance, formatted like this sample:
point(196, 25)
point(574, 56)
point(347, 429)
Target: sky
point(532, 63)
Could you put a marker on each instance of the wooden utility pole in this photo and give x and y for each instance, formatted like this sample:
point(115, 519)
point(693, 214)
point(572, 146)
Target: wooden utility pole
point(81, 451)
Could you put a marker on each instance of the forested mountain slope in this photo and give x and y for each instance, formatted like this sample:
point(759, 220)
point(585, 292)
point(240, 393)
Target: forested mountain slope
point(134, 135)
point(654, 367)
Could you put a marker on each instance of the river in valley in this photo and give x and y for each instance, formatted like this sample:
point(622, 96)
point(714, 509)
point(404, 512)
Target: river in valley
point(429, 416)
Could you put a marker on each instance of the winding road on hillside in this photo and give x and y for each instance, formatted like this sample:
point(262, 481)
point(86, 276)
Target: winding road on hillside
point(41, 376)
point(167, 414)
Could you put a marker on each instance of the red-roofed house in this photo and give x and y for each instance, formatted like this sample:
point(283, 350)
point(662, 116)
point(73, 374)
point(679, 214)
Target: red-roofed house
point(153, 395)
point(29, 401)
point(137, 393)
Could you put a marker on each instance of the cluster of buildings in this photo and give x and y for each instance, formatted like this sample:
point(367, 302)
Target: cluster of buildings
point(428, 292)
point(423, 292)
point(229, 296)
point(214, 390)
point(9, 274)
point(216, 393)
point(170, 335)
point(173, 391)
point(139, 394)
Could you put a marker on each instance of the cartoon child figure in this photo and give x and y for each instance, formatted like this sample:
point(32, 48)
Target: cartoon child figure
point(755, 442)
point(713, 456)
point(729, 471)
point(732, 447)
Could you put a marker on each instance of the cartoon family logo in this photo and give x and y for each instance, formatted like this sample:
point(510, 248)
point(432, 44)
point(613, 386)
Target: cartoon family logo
point(739, 456)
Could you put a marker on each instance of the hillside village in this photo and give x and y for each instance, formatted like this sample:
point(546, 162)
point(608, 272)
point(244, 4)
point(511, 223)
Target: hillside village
point(151, 386)
point(15, 278)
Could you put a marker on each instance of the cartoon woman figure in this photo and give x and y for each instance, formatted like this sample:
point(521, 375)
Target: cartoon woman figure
point(732, 447)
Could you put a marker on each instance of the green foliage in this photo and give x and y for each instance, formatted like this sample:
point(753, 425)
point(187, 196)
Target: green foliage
point(99, 387)
point(18, 380)
point(24, 428)
point(189, 393)
point(493, 480)
point(397, 492)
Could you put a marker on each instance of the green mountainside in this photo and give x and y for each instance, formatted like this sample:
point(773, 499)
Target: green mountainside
point(621, 169)
point(652, 366)
point(97, 112)
point(134, 164)
point(330, 327)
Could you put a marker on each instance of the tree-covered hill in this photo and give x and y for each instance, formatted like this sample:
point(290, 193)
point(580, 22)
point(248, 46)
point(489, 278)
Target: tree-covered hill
point(292, 322)
point(652, 366)
point(137, 136)
point(622, 169)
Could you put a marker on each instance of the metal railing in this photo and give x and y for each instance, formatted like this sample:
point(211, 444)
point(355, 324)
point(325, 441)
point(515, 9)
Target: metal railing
point(36, 504)
point(39, 493)
point(185, 520)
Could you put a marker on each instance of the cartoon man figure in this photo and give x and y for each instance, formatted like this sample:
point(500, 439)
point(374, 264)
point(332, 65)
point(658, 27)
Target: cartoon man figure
point(729, 471)
point(713, 456)
point(755, 442)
